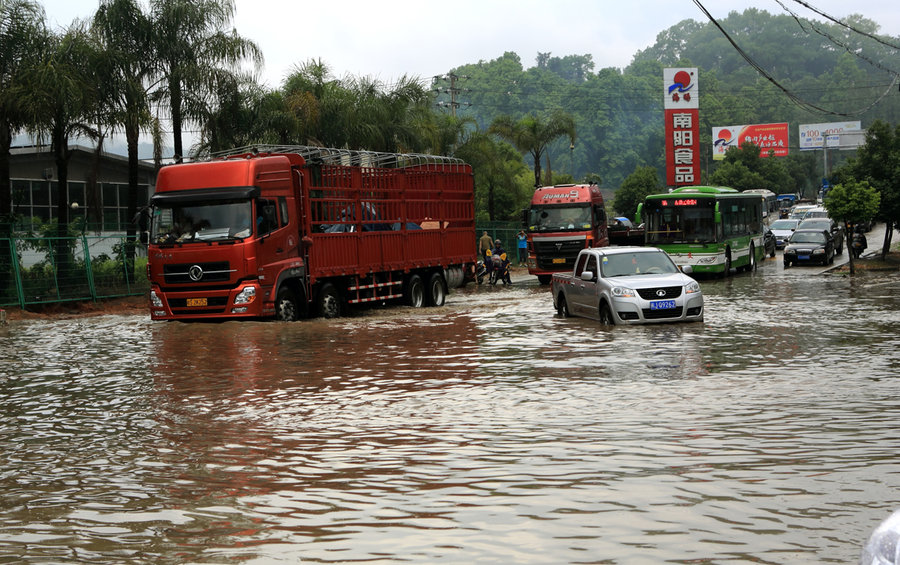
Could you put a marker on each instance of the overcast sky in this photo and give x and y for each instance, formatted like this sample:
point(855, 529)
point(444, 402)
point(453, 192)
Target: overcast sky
point(390, 38)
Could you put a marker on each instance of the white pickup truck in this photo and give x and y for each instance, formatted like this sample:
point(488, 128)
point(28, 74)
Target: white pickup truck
point(627, 285)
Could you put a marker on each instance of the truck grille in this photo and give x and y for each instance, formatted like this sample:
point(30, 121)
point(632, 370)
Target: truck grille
point(547, 251)
point(672, 292)
point(194, 273)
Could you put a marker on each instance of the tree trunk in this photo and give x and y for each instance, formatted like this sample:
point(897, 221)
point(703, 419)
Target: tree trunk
point(62, 248)
point(175, 100)
point(6, 218)
point(888, 235)
point(132, 133)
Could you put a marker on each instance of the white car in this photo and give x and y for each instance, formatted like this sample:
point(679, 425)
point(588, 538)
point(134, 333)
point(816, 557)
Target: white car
point(782, 230)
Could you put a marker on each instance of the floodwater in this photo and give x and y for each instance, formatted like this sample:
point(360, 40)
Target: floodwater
point(486, 431)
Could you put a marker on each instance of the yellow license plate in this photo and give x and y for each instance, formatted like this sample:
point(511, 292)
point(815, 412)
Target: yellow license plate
point(559, 260)
point(194, 302)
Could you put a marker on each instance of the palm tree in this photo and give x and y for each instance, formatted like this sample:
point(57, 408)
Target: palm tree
point(192, 46)
point(124, 35)
point(22, 31)
point(533, 134)
point(57, 95)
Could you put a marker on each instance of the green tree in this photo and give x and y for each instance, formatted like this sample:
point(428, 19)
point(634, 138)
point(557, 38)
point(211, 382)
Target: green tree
point(637, 186)
point(850, 203)
point(497, 168)
point(192, 46)
point(533, 133)
point(743, 169)
point(58, 94)
point(124, 34)
point(878, 163)
point(22, 32)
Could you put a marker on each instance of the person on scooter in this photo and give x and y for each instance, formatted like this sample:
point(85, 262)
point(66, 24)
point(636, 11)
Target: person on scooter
point(500, 265)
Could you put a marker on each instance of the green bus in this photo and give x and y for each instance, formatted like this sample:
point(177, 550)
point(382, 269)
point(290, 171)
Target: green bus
point(713, 229)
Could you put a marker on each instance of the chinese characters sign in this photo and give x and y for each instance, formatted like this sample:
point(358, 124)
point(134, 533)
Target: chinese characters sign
point(768, 137)
point(682, 108)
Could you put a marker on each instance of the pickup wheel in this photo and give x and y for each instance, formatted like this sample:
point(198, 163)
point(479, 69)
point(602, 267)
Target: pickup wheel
point(606, 317)
point(437, 294)
point(561, 307)
point(415, 292)
point(329, 302)
point(286, 308)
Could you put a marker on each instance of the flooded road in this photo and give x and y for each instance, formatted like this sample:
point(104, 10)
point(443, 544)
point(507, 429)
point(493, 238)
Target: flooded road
point(486, 431)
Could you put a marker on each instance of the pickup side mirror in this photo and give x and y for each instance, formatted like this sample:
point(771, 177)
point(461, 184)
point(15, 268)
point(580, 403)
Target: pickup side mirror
point(687, 269)
point(587, 275)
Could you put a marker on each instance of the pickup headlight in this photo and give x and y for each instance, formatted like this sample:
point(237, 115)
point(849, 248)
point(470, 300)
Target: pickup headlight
point(692, 288)
point(622, 292)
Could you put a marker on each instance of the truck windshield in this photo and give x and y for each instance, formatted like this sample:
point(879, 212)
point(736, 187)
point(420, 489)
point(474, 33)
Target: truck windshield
point(189, 222)
point(559, 218)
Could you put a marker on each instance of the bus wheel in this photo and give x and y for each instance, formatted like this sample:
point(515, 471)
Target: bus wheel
point(606, 317)
point(286, 308)
point(329, 302)
point(415, 292)
point(561, 307)
point(752, 266)
point(437, 294)
point(727, 272)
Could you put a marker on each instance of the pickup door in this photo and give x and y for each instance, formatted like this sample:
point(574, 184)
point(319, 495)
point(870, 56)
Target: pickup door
point(582, 294)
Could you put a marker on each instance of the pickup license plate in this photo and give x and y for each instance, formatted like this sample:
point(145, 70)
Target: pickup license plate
point(559, 260)
point(194, 302)
point(662, 305)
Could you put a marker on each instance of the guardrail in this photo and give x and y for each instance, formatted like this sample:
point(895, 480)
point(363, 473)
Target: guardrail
point(43, 270)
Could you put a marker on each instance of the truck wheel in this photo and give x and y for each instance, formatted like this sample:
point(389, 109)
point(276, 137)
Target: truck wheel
point(437, 294)
point(606, 317)
point(415, 292)
point(561, 307)
point(286, 308)
point(544, 279)
point(329, 302)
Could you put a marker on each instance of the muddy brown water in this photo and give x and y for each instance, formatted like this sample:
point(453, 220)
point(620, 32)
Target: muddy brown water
point(486, 431)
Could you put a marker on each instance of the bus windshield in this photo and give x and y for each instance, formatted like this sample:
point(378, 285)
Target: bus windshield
point(559, 218)
point(693, 224)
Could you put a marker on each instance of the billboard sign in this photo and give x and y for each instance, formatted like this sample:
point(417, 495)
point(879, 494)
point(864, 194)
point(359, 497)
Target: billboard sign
point(815, 136)
point(682, 115)
point(769, 138)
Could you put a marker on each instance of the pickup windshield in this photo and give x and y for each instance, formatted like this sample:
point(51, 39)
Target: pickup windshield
point(643, 263)
point(192, 222)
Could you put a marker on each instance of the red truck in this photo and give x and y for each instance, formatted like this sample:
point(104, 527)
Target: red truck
point(560, 222)
point(284, 232)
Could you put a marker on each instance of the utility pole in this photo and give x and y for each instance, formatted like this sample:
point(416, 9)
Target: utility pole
point(452, 90)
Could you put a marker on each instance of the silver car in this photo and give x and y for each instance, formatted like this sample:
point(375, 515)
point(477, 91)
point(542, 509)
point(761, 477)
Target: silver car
point(635, 285)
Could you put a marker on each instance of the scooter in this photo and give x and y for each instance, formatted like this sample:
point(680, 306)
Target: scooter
point(500, 270)
point(480, 272)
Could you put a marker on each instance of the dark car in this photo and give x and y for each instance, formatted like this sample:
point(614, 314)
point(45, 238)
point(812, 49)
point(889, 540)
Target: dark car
point(809, 246)
point(825, 223)
point(768, 242)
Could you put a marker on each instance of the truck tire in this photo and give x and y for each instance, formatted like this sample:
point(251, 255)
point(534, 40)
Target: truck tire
point(544, 279)
point(415, 292)
point(329, 301)
point(437, 291)
point(286, 308)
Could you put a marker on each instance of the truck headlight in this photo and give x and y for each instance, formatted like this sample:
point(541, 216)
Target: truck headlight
point(622, 292)
point(692, 288)
point(246, 296)
point(155, 300)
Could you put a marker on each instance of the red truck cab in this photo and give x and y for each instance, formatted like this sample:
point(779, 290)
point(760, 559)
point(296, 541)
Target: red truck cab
point(561, 221)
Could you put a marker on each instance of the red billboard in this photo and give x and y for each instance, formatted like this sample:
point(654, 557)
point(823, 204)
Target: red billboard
point(768, 137)
point(682, 109)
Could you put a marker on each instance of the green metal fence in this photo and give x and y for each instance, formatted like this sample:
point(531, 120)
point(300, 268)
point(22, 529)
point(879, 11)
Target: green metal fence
point(41, 270)
point(504, 231)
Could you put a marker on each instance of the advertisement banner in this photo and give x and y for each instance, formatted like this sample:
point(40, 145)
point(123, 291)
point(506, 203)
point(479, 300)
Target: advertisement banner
point(769, 138)
point(682, 116)
point(814, 136)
